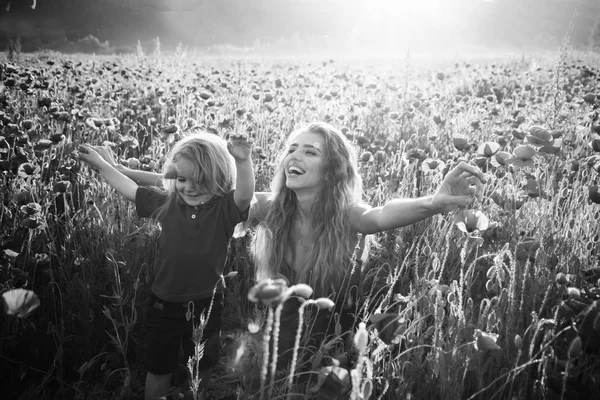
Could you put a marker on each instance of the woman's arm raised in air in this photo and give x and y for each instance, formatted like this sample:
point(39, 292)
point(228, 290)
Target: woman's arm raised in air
point(458, 188)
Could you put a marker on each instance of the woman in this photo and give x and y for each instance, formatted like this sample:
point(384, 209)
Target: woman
point(314, 219)
point(314, 215)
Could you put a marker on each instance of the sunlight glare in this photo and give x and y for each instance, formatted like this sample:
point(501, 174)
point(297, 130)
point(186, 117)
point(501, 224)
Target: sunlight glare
point(406, 23)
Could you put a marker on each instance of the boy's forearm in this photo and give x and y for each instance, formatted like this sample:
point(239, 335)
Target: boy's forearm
point(142, 178)
point(120, 182)
point(244, 186)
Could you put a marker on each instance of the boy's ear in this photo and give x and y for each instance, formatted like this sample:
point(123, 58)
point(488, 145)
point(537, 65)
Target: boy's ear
point(171, 172)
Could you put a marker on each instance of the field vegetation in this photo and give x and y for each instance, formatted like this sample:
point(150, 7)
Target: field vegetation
point(497, 301)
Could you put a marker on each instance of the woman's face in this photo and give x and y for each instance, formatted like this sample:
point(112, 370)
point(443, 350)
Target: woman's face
point(305, 162)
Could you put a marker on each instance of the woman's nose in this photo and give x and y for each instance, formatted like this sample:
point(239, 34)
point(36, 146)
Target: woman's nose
point(295, 155)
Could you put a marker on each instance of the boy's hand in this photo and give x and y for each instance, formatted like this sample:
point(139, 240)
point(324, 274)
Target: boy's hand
point(171, 172)
point(240, 146)
point(108, 155)
point(88, 154)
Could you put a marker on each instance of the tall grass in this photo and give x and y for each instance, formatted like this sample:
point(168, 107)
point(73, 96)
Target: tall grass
point(438, 291)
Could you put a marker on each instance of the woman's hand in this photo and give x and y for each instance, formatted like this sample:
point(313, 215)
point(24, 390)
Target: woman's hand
point(240, 146)
point(459, 188)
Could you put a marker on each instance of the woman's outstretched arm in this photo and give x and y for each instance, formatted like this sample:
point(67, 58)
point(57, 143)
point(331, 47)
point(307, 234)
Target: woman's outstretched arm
point(459, 188)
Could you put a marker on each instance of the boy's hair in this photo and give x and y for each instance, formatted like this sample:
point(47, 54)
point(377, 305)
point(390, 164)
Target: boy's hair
point(330, 256)
point(214, 166)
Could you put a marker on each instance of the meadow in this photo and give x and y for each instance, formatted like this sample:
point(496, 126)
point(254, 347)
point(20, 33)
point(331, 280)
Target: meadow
point(497, 301)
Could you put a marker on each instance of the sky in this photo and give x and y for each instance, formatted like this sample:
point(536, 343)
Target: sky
point(361, 23)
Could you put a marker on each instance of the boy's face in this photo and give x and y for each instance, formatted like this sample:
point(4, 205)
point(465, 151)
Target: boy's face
point(188, 189)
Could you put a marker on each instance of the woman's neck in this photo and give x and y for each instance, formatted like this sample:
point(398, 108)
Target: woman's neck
point(304, 204)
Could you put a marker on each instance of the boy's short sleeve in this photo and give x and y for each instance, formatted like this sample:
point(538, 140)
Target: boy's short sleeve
point(232, 213)
point(147, 200)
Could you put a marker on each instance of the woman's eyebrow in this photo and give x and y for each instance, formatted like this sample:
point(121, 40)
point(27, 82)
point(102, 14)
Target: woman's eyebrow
point(306, 145)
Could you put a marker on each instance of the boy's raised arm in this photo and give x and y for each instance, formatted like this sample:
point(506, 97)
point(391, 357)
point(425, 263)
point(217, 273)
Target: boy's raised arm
point(240, 147)
point(116, 179)
point(142, 178)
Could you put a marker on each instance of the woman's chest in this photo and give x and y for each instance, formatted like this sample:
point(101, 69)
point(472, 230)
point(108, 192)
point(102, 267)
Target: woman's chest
point(301, 242)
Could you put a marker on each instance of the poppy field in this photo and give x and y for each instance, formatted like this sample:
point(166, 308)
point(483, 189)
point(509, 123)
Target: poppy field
point(495, 301)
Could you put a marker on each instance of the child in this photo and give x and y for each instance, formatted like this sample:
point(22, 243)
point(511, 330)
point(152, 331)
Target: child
point(198, 211)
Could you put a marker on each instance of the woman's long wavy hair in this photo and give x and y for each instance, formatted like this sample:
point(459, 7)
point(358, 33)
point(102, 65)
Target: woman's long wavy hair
point(329, 258)
point(214, 167)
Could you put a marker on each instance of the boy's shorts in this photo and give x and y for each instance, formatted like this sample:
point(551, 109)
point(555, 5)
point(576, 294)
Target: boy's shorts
point(168, 331)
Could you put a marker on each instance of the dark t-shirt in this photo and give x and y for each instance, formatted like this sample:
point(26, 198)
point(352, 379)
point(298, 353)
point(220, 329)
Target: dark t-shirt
point(192, 246)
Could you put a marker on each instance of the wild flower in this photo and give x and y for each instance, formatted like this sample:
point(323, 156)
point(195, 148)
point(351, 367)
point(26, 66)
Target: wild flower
point(333, 382)
point(522, 156)
point(268, 292)
point(19, 302)
point(488, 149)
point(526, 248)
point(389, 326)
point(460, 142)
point(471, 221)
point(539, 136)
point(485, 340)
point(432, 165)
point(501, 158)
point(31, 208)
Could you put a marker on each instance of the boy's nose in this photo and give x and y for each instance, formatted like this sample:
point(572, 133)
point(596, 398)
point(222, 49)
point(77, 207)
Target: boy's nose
point(190, 185)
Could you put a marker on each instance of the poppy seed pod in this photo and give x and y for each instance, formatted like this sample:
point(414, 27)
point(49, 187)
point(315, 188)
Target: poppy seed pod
point(302, 290)
point(575, 348)
point(361, 338)
point(324, 303)
point(518, 342)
